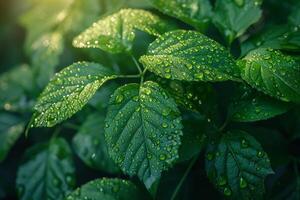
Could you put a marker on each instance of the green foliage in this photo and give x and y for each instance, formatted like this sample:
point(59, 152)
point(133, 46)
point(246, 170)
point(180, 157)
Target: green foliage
point(189, 56)
point(47, 171)
point(163, 96)
point(143, 129)
point(107, 189)
point(237, 165)
point(115, 33)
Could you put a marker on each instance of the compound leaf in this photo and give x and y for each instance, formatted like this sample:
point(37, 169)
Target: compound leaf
point(47, 171)
point(11, 128)
point(90, 145)
point(249, 105)
point(68, 92)
point(237, 165)
point(143, 129)
point(115, 33)
point(194, 12)
point(107, 189)
point(233, 17)
point(273, 73)
point(189, 56)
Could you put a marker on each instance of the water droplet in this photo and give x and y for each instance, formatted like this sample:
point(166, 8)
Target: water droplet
point(222, 181)
point(227, 191)
point(119, 98)
point(243, 183)
point(162, 157)
point(244, 143)
point(164, 125)
point(199, 76)
point(210, 156)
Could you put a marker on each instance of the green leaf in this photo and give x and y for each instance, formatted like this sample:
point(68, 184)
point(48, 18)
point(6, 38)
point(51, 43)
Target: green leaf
point(237, 165)
point(116, 33)
point(107, 189)
point(11, 128)
point(273, 73)
point(194, 12)
point(45, 53)
point(282, 37)
point(15, 85)
point(189, 56)
point(249, 105)
point(47, 171)
point(143, 129)
point(90, 145)
point(68, 92)
point(233, 17)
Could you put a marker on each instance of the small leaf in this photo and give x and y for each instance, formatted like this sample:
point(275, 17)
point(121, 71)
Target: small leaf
point(237, 165)
point(107, 189)
point(194, 12)
point(90, 145)
point(233, 17)
point(68, 92)
point(45, 54)
point(273, 73)
point(143, 129)
point(115, 33)
point(11, 128)
point(249, 105)
point(190, 56)
point(47, 171)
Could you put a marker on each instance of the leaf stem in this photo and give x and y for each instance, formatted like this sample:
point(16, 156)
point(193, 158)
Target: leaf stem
point(186, 173)
point(137, 64)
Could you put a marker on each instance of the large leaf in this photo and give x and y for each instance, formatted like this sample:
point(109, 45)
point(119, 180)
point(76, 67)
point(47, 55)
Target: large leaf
point(69, 91)
point(47, 171)
point(107, 189)
point(45, 53)
point(190, 56)
point(237, 165)
point(249, 105)
point(116, 33)
point(233, 17)
point(143, 129)
point(90, 145)
point(194, 12)
point(15, 85)
point(273, 73)
point(11, 128)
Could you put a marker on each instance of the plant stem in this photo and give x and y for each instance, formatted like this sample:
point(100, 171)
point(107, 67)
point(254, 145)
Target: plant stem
point(137, 64)
point(184, 177)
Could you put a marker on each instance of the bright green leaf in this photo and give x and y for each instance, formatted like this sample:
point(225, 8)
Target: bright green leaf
point(249, 105)
point(47, 172)
point(273, 73)
point(143, 129)
point(90, 145)
point(11, 128)
point(107, 189)
point(68, 92)
point(194, 12)
point(237, 165)
point(45, 53)
point(190, 56)
point(116, 33)
point(233, 17)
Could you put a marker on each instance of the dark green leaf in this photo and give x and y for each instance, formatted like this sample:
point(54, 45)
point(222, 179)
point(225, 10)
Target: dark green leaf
point(194, 12)
point(116, 33)
point(249, 105)
point(47, 171)
point(233, 17)
point(273, 73)
point(143, 129)
point(69, 91)
point(45, 54)
point(90, 145)
point(237, 165)
point(107, 189)
point(190, 56)
point(11, 128)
